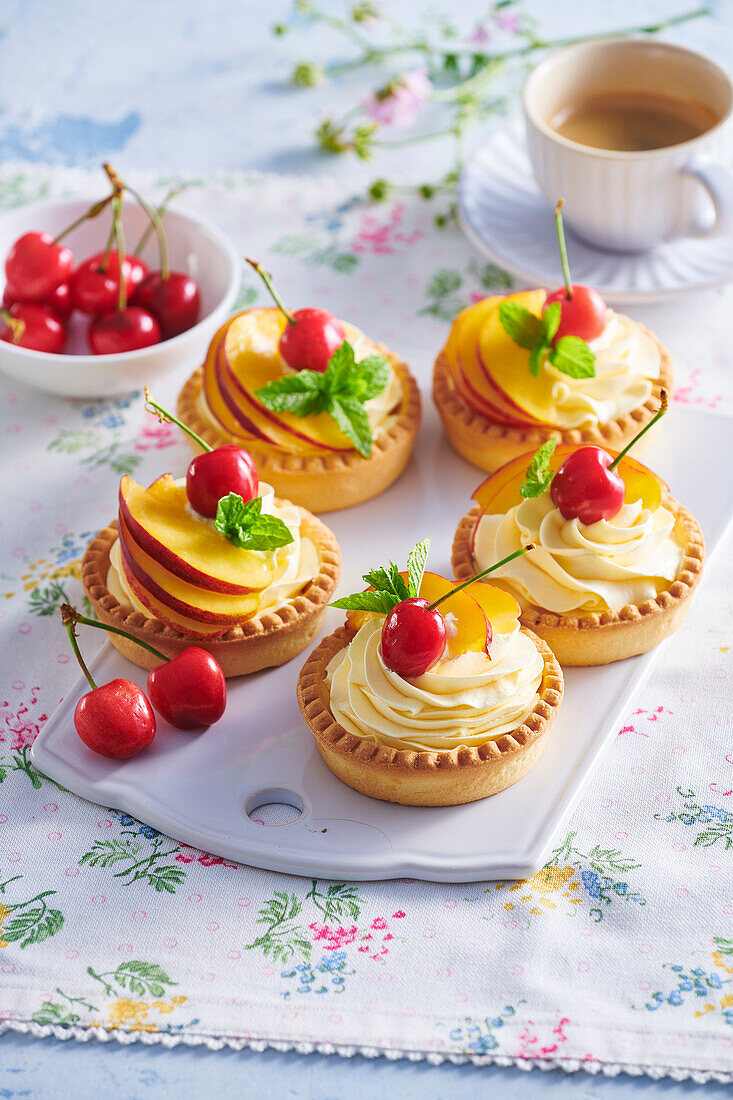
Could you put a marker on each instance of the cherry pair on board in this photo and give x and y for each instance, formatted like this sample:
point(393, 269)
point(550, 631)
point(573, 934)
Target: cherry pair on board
point(117, 720)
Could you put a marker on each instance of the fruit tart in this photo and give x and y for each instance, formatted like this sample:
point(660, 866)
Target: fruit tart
point(432, 694)
point(215, 560)
point(329, 417)
point(521, 369)
point(616, 557)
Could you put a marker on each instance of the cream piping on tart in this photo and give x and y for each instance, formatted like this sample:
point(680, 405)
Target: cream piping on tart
point(604, 566)
point(461, 701)
point(244, 356)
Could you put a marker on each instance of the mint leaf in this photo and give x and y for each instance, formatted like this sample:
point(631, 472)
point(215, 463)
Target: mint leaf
point(522, 326)
point(368, 377)
point(550, 322)
point(341, 391)
point(352, 419)
point(535, 358)
point(300, 393)
point(339, 365)
point(388, 586)
point(539, 475)
point(416, 560)
point(379, 602)
point(244, 525)
point(573, 357)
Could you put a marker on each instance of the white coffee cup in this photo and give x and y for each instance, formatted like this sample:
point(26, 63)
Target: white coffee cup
point(631, 201)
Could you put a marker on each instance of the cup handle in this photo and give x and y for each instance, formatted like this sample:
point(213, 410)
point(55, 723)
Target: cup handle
point(718, 182)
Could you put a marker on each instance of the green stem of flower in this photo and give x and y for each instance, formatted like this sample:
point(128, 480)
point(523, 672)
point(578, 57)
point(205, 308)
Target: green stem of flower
point(92, 212)
point(662, 410)
point(165, 417)
point(483, 573)
point(68, 622)
point(560, 230)
point(372, 55)
point(120, 238)
point(73, 616)
point(267, 280)
point(415, 139)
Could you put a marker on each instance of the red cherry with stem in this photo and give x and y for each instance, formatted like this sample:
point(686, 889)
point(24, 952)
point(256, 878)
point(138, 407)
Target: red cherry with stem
point(34, 326)
point(217, 472)
point(175, 301)
point(414, 631)
point(189, 691)
point(311, 335)
point(123, 330)
point(59, 300)
point(582, 310)
point(36, 264)
point(114, 719)
point(587, 486)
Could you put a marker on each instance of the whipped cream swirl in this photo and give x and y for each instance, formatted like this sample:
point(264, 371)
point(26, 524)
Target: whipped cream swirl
point(627, 364)
point(464, 700)
point(601, 566)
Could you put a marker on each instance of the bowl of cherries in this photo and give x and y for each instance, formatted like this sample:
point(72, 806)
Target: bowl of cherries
point(70, 326)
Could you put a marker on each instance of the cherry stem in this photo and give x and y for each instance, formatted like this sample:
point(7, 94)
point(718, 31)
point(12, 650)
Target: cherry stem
point(662, 410)
point(16, 326)
point(119, 237)
point(560, 229)
point(69, 621)
point(154, 218)
point(267, 280)
point(92, 212)
point(71, 617)
point(483, 573)
point(165, 417)
point(107, 249)
point(160, 211)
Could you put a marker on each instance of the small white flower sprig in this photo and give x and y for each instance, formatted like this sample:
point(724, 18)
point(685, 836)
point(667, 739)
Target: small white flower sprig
point(441, 66)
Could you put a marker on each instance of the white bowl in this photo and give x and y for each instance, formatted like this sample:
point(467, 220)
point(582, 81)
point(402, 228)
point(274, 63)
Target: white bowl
point(194, 245)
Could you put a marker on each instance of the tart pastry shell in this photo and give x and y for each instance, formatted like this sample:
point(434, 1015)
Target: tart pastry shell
point(330, 480)
point(262, 642)
point(428, 778)
point(598, 638)
point(489, 445)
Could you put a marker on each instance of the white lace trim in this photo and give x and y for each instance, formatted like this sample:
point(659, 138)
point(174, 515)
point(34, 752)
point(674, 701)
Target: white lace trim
point(213, 1042)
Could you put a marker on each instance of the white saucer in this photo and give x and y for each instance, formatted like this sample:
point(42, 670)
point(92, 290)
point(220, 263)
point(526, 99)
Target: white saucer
point(506, 217)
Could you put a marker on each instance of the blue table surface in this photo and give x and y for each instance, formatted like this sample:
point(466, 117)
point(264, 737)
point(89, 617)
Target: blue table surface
point(180, 84)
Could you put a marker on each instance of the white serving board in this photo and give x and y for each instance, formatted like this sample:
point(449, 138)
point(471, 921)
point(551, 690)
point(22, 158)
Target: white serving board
point(198, 788)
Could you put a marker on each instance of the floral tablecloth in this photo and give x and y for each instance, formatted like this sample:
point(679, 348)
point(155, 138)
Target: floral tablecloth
point(618, 955)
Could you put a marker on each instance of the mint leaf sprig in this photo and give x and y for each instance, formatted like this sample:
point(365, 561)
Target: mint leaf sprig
point(389, 588)
point(340, 391)
point(244, 525)
point(538, 477)
point(570, 354)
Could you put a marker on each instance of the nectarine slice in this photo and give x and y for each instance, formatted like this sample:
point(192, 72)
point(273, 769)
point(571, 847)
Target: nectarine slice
point(499, 607)
point(508, 363)
point(161, 523)
point(467, 617)
point(192, 601)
